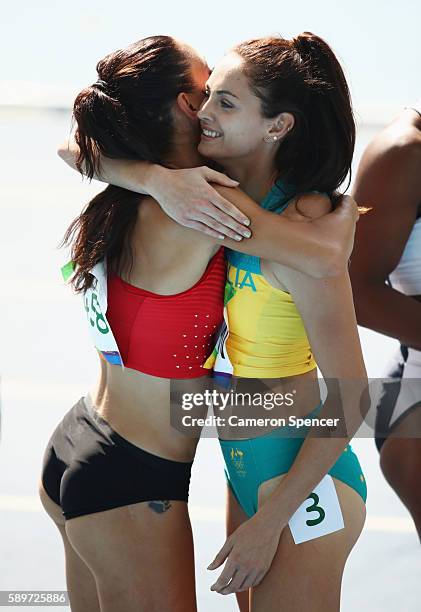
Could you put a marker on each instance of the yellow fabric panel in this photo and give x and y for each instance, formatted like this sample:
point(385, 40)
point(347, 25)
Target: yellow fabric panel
point(267, 338)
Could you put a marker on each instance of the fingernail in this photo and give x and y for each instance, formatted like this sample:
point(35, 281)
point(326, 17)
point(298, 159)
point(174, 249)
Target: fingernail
point(221, 237)
point(238, 238)
point(246, 222)
point(247, 233)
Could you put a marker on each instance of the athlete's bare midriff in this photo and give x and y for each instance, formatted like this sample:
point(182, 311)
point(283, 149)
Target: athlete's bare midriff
point(168, 259)
point(137, 406)
point(301, 393)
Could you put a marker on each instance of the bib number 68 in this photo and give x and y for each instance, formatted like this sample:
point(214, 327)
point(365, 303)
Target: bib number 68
point(95, 316)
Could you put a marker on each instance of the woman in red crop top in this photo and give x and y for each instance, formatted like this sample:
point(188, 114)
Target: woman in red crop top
point(116, 474)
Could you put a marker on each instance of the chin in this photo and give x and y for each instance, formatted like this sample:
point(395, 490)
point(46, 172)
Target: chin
point(208, 150)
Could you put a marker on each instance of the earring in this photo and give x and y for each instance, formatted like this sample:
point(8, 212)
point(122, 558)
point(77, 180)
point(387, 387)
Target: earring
point(270, 138)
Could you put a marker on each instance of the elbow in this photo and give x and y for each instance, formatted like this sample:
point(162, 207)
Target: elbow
point(63, 150)
point(68, 154)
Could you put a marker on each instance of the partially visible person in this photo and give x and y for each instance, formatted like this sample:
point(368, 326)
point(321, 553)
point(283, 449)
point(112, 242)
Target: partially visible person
point(386, 280)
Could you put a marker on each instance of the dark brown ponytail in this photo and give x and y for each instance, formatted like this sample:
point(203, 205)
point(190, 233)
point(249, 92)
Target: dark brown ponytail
point(302, 76)
point(126, 114)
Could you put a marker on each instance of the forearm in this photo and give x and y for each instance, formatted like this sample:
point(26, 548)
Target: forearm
point(134, 175)
point(388, 312)
point(300, 246)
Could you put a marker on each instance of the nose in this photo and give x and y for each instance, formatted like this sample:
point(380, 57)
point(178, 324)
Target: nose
point(204, 113)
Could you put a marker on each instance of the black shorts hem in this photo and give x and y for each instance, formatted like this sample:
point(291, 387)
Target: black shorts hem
point(113, 505)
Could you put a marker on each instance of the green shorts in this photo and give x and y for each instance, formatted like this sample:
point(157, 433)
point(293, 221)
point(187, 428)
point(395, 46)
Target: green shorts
point(249, 463)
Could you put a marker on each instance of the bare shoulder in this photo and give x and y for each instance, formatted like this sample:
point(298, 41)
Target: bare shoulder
point(304, 208)
point(150, 211)
point(399, 143)
point(389, 170)
point(405, 133)
point(151, 216)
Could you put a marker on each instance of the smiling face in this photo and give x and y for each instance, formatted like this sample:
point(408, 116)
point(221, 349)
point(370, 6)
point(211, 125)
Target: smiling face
point(231, 118)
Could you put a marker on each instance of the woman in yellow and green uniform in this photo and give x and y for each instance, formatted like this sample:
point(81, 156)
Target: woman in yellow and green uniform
point(267, 339)
point(278, 118)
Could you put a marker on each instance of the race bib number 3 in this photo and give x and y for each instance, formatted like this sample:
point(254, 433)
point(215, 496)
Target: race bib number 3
point(319, 515)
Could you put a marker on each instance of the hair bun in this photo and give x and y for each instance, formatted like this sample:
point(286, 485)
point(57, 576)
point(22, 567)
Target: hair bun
point(307, 44)
point(317, 58)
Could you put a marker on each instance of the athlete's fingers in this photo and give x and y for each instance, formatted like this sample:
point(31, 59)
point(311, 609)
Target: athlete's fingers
point(252, 579)
point(226, 206)
point(219, 201)
point(221, 556)
point(259, 578)
point(225, 578)
point(225, 217)
point(203, 217)
point(205, 229)
point(214, 176)
point(234, 586)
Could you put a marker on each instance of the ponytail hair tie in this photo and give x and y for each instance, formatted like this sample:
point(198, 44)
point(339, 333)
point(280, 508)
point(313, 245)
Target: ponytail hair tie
point(100, 84)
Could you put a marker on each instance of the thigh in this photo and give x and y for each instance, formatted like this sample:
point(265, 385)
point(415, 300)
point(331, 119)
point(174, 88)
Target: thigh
point(141, 556)
point(400, 455)
point(236, 517)
point(400, 460)
point(308, 576)
point(79, 578)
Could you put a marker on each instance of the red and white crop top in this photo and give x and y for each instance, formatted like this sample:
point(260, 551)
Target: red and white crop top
point(169, 336)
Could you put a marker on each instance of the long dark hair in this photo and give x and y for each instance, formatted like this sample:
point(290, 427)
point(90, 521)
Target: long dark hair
point(302, 76)
point(126, 114)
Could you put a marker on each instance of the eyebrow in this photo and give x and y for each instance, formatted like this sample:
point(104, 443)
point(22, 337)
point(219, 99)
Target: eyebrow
point(225, 92)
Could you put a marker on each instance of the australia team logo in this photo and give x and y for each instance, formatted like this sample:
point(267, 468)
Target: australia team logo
point(237, 460)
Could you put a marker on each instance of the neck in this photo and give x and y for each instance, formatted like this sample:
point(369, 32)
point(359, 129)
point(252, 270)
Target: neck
point(256, 174)
point(184, 152)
